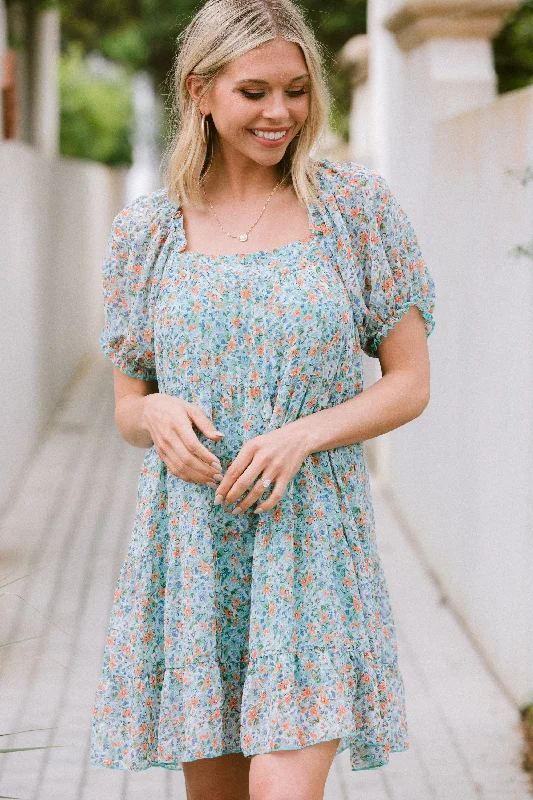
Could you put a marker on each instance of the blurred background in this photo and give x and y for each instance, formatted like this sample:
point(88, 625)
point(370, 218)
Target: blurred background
point(436, 95)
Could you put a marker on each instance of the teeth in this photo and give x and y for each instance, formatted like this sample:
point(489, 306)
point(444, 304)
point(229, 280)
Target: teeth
point(267, 135)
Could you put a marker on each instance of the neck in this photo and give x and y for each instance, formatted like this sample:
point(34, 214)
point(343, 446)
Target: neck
point(238, 180)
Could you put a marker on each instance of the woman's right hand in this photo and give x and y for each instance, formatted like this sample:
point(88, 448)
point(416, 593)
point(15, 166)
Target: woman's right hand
point(169, 421)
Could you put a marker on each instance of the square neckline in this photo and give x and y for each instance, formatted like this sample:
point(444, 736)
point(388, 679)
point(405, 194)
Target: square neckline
point(273, 252)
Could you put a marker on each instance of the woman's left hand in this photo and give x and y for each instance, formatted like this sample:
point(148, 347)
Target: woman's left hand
point(276, 455)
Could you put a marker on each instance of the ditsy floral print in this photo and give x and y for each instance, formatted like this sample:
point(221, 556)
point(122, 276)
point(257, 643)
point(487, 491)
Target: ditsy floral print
point(256, 633)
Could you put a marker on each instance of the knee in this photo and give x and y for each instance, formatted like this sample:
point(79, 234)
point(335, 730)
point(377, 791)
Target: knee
point(280, 793)
point(272, 789)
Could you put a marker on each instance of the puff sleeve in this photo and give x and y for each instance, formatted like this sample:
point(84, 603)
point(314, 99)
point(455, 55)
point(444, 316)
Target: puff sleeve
point(127, 334)
point(395, 275)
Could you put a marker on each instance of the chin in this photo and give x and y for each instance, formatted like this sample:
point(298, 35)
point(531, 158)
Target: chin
point(268, 156)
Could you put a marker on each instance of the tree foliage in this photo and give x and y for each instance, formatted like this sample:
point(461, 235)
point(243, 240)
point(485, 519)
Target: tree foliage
point(141, 34)
point(96, 111)
point(513, 50)
point(152, 26)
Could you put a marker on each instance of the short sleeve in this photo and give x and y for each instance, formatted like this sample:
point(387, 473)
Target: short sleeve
point(395, 276)
point(127, 334)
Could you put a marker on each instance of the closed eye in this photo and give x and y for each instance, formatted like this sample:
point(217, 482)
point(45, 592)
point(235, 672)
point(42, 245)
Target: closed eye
point(258, 95)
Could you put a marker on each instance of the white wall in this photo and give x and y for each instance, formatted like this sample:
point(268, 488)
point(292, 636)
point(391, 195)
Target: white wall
point(461, 474)
point(55, 216)
point(463, 471)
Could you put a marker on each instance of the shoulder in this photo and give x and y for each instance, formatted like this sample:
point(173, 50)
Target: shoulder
point(352, 187)
point(138, 234)
point(143, 216)
point(352, 192)
point(349, 176)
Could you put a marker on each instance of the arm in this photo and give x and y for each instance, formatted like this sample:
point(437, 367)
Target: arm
point(400, 395)
point(392, 280)
point(131, 396)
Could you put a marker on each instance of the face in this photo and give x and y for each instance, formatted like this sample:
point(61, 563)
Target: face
point(258, 102)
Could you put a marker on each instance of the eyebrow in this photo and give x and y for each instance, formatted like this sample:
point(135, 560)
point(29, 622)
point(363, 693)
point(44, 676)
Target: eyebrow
point(259, 80)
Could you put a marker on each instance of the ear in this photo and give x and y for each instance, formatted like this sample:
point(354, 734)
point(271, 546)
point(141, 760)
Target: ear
point(195, 86)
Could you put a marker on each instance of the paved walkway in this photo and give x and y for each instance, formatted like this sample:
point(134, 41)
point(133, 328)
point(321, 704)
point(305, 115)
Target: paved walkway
point(69, 529)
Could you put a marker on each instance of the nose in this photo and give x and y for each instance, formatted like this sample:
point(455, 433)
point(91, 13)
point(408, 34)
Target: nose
point(276, 107)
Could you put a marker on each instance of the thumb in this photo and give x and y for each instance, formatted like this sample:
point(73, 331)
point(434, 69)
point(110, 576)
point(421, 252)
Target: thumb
point(202, 421)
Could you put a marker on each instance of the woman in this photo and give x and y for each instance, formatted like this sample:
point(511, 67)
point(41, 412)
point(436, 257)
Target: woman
point(251, 636)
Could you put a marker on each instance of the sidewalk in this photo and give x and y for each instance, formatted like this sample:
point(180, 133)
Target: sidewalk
point(72, 521)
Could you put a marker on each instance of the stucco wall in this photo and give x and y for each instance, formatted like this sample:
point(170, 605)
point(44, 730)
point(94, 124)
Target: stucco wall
point(55, 216)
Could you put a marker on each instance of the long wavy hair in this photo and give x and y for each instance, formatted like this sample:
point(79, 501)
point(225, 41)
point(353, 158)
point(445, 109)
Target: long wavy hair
point(221, 31)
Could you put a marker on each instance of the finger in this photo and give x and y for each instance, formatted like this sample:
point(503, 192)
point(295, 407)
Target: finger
point(255, 493)
point(190, 465)
point(176, 466)
point(275, 497)
point(202, 421)
point(234, 472)
point(191, 476)
point(193, 444)
point(243, 482)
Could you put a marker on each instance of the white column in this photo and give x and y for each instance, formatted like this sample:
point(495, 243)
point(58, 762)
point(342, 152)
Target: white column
point(385, 78)
point(429, 59)
point(45, 90)
point(353, 58)
point(3, 48)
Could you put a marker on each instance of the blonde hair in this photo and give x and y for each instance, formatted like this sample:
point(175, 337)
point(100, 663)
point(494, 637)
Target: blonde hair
point(221, 31)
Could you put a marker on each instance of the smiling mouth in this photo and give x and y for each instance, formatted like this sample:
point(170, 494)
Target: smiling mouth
point(270, 136)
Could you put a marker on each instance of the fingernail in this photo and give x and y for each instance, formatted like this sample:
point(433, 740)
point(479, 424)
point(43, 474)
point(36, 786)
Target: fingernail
point(218, 499)
point(258, 510)
point(219, 433)
point(238, 510)
point(216, 464)
point(217, 476)
point(212, 485)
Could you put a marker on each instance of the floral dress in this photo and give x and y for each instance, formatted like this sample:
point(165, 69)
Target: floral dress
point(256, 633)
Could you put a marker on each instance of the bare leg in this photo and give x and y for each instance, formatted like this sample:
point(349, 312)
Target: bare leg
point(292, 774)
point(220, 778)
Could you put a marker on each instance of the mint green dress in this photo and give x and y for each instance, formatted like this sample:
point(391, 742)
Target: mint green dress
point(256, 633)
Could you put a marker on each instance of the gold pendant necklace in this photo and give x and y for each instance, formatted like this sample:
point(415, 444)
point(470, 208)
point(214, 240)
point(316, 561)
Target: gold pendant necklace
point(243, 236)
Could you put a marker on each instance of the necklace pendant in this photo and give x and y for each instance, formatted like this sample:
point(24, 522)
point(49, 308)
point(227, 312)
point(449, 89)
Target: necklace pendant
point(243, 237)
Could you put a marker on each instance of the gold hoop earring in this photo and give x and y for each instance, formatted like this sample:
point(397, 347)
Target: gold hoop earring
point(204, 129)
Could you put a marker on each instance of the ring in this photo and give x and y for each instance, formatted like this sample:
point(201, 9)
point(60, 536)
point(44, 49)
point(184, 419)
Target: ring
point(266, 482)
